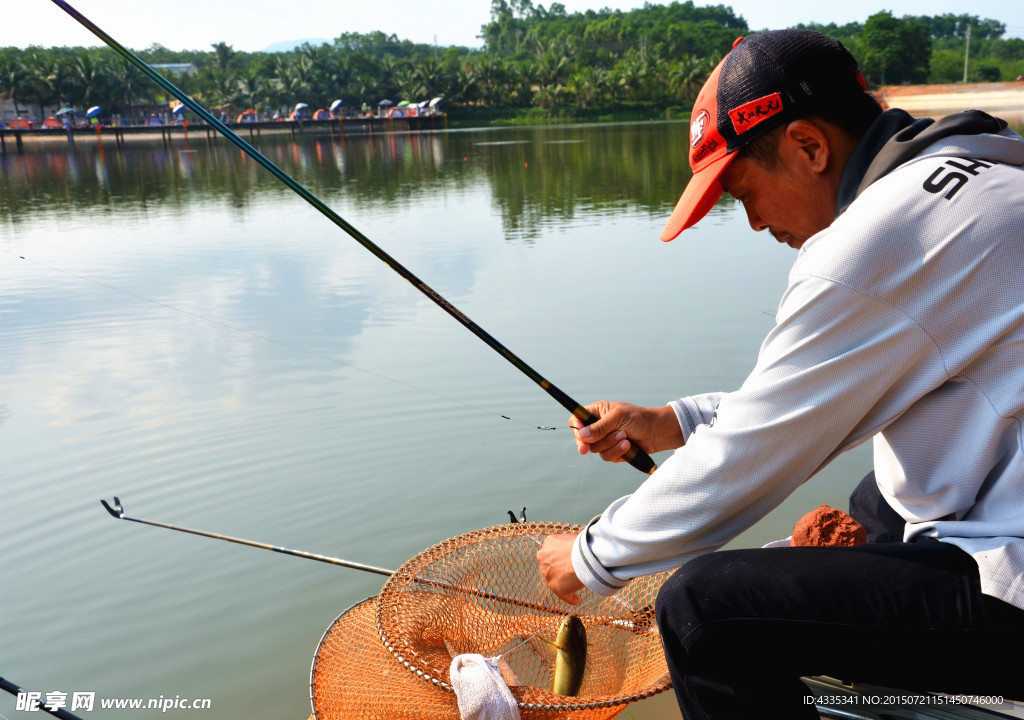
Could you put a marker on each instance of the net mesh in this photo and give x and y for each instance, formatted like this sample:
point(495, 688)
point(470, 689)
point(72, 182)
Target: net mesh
point(388, 657)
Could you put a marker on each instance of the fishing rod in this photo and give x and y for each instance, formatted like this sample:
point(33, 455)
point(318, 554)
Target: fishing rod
point(117, 511)
point(37, 702)
point(634, 456)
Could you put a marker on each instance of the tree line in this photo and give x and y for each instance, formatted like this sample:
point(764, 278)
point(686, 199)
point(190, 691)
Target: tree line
point(923, 49)
point(535, 61)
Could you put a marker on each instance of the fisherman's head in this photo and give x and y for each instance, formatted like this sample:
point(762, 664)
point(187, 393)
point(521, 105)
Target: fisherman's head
point(784, 108)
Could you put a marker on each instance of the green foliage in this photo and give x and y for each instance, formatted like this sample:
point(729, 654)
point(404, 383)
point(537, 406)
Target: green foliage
point(955, 26)
point(947, 66)
point(839, 32)
point(896, 49)
point(537, 63)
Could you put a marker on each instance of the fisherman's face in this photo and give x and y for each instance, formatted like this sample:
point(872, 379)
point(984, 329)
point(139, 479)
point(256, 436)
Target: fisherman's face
point(792, 200)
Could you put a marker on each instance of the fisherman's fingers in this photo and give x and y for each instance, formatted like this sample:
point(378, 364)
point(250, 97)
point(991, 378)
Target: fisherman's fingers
point(554, 561)
point(609, 436)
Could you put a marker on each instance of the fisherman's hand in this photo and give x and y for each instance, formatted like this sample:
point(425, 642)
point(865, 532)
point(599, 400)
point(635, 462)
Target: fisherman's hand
point(554, 560)
point(652, 428)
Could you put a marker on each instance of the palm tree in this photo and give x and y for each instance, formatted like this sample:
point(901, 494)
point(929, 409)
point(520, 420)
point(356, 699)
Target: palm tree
point(50, 80)
point(429, 78)
point(632, 75)
point(92, 79)
point(589, 85)
point(367, 89)
point(464, 87)
point(553, 66)
point(389, 70)
point(291, 82)
point(218, 88)
point(323, 71)
point(523, 82)
point(129, 84)
point(687, 76)
point(252, 88)
point(493, 75)
point(223, 54)
point(549, 96)
point(15, 81)
point(408, 80)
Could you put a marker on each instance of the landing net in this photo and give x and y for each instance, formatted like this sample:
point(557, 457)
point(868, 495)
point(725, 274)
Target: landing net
point(388, 657)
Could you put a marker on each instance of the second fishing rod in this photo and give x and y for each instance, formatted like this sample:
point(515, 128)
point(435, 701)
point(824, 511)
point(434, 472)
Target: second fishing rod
point(635, 456)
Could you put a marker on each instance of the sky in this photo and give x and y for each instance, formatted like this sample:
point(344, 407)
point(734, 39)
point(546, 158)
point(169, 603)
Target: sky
point(253, 25)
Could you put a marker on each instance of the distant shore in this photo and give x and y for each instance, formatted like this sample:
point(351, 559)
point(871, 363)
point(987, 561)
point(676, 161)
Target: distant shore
point(1005, 99)
point(15, 139)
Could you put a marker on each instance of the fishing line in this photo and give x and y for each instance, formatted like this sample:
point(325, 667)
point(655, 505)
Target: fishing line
point(280, 343)
point(537, 634)
point(579, 489)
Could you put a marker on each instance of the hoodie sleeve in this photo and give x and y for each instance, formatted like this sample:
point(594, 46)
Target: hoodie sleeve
point(694, 411)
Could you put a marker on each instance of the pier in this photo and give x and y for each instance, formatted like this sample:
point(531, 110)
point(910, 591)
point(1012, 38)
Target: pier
point(15, 139)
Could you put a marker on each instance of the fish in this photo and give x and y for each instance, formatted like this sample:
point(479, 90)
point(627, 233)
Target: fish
point(570, 657)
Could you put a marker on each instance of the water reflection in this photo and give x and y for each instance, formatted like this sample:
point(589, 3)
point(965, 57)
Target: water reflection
point(535, 176)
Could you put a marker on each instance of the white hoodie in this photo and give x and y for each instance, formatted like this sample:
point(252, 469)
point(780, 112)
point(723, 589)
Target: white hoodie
point(903, 322)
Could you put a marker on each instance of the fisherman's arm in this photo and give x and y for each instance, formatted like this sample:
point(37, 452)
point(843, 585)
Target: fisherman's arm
point(837, 369)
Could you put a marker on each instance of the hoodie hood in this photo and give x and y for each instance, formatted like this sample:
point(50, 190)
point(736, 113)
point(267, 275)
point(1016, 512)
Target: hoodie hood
point(896, 137)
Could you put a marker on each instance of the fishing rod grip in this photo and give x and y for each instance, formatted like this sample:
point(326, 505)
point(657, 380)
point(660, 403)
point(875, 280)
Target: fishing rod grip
point(634, 456)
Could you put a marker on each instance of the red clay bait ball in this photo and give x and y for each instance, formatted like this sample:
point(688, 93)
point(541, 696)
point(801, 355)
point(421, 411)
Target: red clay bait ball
point(828, 526)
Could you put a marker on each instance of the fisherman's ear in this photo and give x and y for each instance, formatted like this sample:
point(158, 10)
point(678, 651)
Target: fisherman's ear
point(808, 144)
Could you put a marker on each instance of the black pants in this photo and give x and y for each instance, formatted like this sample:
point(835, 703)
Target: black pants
point(741, 627)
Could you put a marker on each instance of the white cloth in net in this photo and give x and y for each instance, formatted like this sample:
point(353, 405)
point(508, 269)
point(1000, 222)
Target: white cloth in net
point(481, 689)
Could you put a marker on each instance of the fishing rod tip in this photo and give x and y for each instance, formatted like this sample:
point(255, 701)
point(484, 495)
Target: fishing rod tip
point(117, 511)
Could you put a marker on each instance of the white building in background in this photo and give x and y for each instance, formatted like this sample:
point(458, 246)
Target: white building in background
point(176, 68)
point(28, 111)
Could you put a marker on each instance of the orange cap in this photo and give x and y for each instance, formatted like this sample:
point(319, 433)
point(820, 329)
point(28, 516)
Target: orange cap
point(709, 157)
point(765, 80)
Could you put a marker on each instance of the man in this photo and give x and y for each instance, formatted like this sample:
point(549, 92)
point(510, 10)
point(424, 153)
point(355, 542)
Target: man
point(903, 323)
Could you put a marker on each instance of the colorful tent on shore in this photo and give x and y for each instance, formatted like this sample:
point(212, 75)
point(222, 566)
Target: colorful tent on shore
point(301, 112)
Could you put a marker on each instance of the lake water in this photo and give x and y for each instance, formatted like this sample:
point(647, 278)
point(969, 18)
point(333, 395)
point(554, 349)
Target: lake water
point(180, 330)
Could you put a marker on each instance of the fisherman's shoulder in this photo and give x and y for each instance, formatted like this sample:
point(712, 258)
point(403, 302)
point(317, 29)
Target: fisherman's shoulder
point(945, 197)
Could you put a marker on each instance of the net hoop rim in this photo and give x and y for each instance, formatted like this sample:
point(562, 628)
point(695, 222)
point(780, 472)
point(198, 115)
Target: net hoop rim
point(319, 646)
point(521, 528)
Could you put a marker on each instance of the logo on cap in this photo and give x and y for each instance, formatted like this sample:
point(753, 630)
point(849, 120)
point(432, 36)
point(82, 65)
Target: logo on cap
point(745, 117)
point(697, 128)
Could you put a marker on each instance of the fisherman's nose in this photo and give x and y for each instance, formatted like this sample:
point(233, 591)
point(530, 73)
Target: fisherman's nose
point(757, 224)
